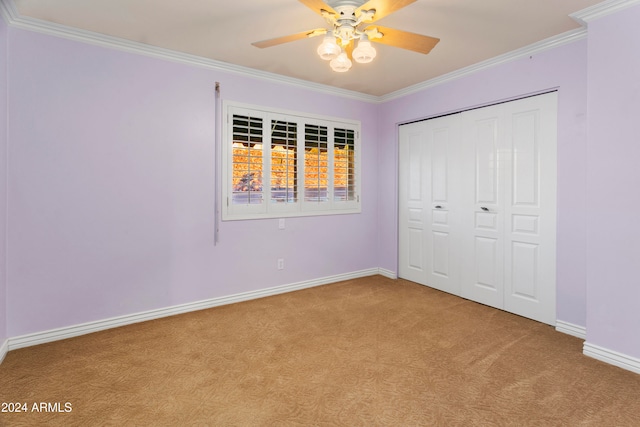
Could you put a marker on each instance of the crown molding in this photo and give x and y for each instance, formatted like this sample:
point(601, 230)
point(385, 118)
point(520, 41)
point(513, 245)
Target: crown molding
point(11, 15)
point(7, 10)
point(550, 43)
point(584, 16)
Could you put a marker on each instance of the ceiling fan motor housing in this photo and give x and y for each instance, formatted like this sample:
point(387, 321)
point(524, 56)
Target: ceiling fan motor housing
point(346, 22)
point(337, 4)
point(345, 32)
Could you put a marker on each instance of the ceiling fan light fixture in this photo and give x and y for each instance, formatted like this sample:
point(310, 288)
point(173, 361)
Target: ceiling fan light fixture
point(341, 63)
point(329, 49)
point(347, 38)
point(364, 52)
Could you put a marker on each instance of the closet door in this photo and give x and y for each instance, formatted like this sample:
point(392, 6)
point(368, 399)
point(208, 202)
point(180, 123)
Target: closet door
point(509, 208)
point(530, 207)
point(483, 181)
point(427, 196)
point(477, 205)
point(411, 198)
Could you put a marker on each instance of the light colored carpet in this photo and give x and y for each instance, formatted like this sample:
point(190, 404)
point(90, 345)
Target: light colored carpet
point(364, 352)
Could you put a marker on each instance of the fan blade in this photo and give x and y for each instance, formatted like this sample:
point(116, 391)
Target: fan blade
point(290, 38)
point(405, 40)
point(317, 6)
point(383, 7)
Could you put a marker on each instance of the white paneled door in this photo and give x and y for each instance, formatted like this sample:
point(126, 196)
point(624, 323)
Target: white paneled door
point(427, 191)
point(413, 203)
point(482, 187)
point(477, 205)
point(530, 208)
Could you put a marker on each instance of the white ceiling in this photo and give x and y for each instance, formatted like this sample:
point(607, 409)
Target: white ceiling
point(471, 31)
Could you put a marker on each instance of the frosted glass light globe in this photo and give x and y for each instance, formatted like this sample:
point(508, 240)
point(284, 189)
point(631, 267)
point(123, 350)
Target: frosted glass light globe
point(328, 49)
point(340, 64)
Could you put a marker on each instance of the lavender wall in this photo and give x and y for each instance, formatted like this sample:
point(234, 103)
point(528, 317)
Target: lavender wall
point(613, 227)
point(111, 180)
point(3, 181)
point(111, 188)
point(563, 68)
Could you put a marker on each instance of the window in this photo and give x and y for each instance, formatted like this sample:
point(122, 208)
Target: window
point(278, 164)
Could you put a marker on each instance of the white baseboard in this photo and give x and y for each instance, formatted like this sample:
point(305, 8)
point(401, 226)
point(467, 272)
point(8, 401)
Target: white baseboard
point(4, 349)
point(571, 329)
point(612, 357)
point(387, 273)
point(100, 325)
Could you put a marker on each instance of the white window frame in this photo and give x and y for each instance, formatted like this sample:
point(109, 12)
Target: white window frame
point(269, 209)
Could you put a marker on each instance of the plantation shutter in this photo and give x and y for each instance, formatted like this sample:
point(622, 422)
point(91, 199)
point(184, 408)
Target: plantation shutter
point(316, 163)
point(344, 174)
point(247, 160)
point(284, 159)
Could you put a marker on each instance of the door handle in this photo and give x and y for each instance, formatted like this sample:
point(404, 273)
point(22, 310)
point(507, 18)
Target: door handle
point(485, 209)
point(438, 207)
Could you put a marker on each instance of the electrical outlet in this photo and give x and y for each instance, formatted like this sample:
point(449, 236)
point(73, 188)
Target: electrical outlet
point(280, 263)
point(281, 224)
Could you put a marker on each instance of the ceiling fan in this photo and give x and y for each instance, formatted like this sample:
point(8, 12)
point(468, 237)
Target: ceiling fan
point(351, 20)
